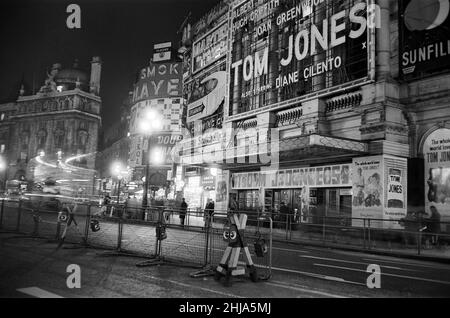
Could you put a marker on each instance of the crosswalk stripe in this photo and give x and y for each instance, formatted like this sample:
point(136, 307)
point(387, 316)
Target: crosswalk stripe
point(38, 292)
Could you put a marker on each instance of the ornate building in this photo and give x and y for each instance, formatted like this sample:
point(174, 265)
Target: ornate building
point(335, 108)
point(55, 131)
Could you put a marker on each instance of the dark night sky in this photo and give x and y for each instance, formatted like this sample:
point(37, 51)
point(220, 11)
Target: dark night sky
point(34, 35)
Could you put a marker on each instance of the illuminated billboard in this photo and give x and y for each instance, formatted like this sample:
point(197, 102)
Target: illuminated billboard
point(284, 49)
point(210, 48)
point(159, 80)
point(424, 37)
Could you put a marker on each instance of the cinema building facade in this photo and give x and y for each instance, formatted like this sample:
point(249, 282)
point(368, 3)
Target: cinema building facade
point(336, 108)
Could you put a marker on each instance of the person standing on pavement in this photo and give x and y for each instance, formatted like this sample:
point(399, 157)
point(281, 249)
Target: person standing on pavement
point(209, 210)
point(183, 210)
point(284, 214)
point(434, 224)
point(233, 205)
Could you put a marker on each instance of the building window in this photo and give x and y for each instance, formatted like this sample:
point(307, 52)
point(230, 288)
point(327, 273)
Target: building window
point(41, 138)
point(59, 138)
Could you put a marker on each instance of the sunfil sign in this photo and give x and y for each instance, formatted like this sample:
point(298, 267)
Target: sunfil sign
point(424, 37)
point(319, 40)
point(162, 80)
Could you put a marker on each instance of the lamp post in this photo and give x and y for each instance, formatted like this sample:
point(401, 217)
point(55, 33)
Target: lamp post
point(151, 121)
point(4, 167)
point(116, 170)
point(119, 177)
point(147, 168)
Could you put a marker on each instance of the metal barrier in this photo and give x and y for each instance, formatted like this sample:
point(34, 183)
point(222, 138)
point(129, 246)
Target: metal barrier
point(422, 236)
point(153, 232)
point(11, 211)
point(199, 242)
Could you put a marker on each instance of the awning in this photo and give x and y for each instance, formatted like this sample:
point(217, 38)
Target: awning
point(319, 148)
point(303, 150)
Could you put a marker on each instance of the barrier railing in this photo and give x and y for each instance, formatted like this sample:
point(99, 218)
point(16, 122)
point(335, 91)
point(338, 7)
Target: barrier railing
point(199, 241)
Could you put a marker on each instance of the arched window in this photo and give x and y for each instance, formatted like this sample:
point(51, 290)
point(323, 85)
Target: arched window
point(59, 138)
point(82, 140)
point(24, 139)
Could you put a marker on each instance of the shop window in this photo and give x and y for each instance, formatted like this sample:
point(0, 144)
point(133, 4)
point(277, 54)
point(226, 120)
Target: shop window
point(248, 200)
point(332, 201)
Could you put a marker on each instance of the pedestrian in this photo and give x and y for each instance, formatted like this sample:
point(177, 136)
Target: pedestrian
point(183, 210)
point(233, 204)
point(434, 225)
point(132, 207)
point(284, 213)
point(209, 210)
point(106, 205)
point(411, 226)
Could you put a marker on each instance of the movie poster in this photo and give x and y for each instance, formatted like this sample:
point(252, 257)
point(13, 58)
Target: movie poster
point(436, 151)
point(379, 191)
point(222, 185)
point(367, 186)
point(396, 171)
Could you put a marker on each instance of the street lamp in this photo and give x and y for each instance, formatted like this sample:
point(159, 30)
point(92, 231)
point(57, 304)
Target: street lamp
point(116, 170)
point(151, 121)
point(4, 167)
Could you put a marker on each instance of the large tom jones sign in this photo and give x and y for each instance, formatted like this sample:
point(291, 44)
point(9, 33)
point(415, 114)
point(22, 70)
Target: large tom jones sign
point(288, 47)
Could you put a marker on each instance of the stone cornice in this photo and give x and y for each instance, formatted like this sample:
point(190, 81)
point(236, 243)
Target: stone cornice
point(384, 128)
point(75, 91)
point(60, 112)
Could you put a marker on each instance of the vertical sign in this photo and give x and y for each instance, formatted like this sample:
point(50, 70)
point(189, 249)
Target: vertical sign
point(222, 185)
point(436, 151)
point(367, 200)
point(379, 191)
point(396, 191)
point(136, 152)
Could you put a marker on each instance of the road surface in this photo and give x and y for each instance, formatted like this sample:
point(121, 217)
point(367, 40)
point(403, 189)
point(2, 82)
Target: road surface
point(33, 267)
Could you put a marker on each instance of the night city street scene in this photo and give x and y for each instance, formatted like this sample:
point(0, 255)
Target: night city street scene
point(207, 151)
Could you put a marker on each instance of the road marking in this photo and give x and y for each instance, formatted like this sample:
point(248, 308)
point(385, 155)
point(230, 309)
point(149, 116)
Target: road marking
point(289, 250)
point(406, 263)
point(353, 262)
point(193, 286)
point(38, 292)
point(309, 291)
point(387, 274)
point(337, 279)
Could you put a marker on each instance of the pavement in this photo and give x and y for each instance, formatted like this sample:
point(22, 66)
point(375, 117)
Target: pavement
point(34, 267)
